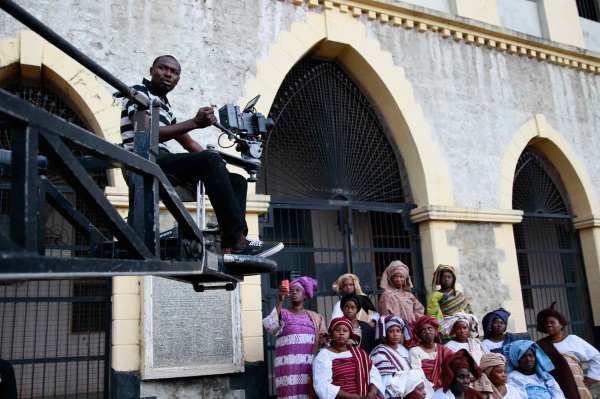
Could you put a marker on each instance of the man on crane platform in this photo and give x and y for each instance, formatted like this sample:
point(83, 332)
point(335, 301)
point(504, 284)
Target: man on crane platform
point(226, 191)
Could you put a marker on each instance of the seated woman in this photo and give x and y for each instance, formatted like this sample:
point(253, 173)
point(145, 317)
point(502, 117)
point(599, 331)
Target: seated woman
point(391, 356)
point(397, 298)
point(462, 327)
point(299, 332)
point(529, 371)
point(494, 331)
point(568, 354)
point(343, 370)
point(350, 284)
point(351, 305)
point(492, 383)
point(447, 300)
point(409, 384)
point(457, 370)
point(429, 353)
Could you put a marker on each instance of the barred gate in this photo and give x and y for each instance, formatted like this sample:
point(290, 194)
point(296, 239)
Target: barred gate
point(551, 266)
point(56, 333)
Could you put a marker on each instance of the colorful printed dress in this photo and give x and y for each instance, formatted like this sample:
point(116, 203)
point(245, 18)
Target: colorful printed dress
point(297, 341)
point(443, 304)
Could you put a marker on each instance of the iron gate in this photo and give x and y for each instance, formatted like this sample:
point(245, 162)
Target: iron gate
point(56, 332)
point(548, 250)
point(327, 239)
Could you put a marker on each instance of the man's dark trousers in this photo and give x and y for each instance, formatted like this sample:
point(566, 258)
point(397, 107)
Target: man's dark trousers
point(226, 191)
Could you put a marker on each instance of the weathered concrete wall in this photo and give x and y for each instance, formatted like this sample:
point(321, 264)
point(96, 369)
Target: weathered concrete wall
point(193, 388)
point(479, 270)
point(472, 96)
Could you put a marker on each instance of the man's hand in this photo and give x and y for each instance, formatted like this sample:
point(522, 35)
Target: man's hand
point(204, 117)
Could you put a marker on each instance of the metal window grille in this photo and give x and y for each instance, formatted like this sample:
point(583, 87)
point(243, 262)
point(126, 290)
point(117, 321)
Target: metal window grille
point(328, 142)
point(548, 250)
point(56, 333)
point(588, 9)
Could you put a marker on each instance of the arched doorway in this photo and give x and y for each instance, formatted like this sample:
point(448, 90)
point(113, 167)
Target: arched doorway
point(339, 194)
point(55, 333)
point(548, 250)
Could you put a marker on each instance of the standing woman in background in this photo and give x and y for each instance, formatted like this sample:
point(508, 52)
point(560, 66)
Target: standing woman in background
point(397, 297)
point(447, 300)
point(568, 353)
point(299, 334)
point(350, 284)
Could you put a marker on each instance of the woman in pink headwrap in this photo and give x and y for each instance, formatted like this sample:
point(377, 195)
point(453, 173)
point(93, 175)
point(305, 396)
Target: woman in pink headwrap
point(299, 333)
point(397, 298)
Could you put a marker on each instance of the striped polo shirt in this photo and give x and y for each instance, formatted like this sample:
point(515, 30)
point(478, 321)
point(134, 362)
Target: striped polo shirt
point(128, 108)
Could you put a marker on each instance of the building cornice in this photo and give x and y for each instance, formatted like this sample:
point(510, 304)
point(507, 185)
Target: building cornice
point(586, 222)
point(461, 29)
point(465, 215)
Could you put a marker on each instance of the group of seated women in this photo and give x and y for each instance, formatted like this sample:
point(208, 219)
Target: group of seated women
point(401, 349)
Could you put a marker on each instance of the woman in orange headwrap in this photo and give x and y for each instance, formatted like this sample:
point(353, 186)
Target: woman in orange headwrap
point(429, 354)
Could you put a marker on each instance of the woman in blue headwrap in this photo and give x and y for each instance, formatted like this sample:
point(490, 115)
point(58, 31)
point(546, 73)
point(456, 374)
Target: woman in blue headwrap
point(529, 371)
point(494, 331)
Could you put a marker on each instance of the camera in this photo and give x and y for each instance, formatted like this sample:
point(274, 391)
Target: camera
point(248, 129)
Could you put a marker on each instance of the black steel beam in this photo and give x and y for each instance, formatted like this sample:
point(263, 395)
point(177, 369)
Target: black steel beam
point(26, 266)
point(24, 202)
point(20, 14)
point(69, 212)
point(28, 113)
point(82, 182)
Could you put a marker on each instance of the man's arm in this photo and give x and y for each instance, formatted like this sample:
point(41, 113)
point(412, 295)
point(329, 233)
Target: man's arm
point(178, 131)
point(189, 143)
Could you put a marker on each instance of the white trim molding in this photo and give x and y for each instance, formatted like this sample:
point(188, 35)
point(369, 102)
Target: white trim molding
point(469, 215)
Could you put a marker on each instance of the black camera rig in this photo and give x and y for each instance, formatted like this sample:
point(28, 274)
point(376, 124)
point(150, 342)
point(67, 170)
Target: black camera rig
point(248, 129)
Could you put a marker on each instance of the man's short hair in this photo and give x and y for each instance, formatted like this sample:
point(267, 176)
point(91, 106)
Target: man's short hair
point(164, 56)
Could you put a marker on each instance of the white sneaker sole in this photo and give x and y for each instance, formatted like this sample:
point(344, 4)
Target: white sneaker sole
point(271, 251)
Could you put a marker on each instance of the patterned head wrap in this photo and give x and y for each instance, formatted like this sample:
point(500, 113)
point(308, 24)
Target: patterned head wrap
point(343, 321)
point(449, 321)
point(395, 267)
point(437, 274)
point(404, 383)
point(491, 360)
point(337, 285)
point(308, 284)
point(489, 318)
point(386, 322)
point(488, 362)
point(515, 351)
point(421, 321)
point(550, 312)
point(458, 360)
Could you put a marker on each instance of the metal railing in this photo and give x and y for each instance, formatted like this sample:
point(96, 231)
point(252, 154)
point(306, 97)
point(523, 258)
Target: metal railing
point(138, 245)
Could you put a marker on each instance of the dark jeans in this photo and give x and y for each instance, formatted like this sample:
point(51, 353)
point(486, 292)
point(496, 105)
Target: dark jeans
point(8, 385)
point(226, 191)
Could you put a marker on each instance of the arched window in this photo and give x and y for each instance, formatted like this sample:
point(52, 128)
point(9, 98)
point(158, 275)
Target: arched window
point(548, 251)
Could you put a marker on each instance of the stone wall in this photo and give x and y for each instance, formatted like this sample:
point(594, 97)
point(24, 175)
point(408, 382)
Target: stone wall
point(472, 96)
